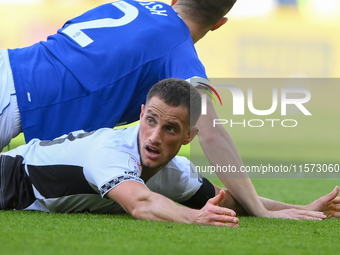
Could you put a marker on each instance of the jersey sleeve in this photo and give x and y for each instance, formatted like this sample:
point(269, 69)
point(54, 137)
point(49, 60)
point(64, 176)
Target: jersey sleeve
point(107, 168)
point(5, 89)
point(183, 63)
point(178, 180)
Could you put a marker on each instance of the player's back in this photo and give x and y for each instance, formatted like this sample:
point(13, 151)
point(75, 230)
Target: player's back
point(96, 71)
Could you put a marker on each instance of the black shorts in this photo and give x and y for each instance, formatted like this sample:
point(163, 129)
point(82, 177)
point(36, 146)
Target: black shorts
point(16, 190)
point(201, 197)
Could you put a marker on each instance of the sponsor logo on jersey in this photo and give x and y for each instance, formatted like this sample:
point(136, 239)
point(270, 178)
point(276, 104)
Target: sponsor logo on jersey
point(134, 164)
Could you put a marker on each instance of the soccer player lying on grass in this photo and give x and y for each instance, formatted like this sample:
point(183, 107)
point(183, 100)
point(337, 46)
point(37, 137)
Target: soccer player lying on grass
point(134, 170)
point(80, 80)
point(112, 171)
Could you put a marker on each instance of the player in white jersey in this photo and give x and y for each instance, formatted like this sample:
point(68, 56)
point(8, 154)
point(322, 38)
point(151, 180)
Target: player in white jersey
point(132, 170)
point(69, 173)
point(105, 171)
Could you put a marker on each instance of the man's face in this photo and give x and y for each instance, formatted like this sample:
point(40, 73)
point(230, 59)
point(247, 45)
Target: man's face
point(163, 129)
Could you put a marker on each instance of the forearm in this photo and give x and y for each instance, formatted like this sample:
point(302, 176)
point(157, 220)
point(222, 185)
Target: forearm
point(159, 208)
point(137, 200)
point(220, 149)
point(326, 206)
point(141, 203)
point(272, 205)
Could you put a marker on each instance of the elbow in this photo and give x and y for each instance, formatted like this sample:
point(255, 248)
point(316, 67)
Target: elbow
point(140, 210)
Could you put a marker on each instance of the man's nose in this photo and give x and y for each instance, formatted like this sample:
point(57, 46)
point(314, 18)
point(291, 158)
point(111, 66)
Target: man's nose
point(155, 136)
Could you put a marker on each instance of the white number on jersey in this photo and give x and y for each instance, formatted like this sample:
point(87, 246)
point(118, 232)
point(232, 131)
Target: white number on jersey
point(76, 33)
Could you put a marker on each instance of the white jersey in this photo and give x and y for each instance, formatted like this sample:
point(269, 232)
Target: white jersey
point(73, 173)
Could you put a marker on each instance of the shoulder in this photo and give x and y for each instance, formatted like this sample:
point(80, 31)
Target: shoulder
point(182, 168)
point(179, 163)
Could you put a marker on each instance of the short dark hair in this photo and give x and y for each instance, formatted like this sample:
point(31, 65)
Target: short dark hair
point(177, 92)
point(206, 12)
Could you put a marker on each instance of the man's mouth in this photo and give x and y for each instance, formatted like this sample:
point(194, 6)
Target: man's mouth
point(152, 151)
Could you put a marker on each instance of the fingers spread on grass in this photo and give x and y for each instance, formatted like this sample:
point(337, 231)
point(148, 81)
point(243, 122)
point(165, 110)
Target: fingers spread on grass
point(333, 215)
point(226, 225)
point(217, 199)
point(336, 189)
point(211, 215)
point(336, 208)
point(220, 210)
point(336, 200)
point(312, 215)
point(224, 211)
point(220, 214)
point(336, 215)
point(306, 217)
point(330, 196)
point(299, 214)
point(224, 218)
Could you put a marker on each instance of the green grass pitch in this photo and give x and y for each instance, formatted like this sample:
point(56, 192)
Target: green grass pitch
point(52, 233)
point(43, 233)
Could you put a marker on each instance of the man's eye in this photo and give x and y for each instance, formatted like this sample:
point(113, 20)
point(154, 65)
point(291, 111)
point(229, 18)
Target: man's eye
point(150, 121)
point(171, 129)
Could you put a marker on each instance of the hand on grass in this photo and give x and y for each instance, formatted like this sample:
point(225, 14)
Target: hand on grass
point(328, 204)
point(212, 214)
point(296, 214)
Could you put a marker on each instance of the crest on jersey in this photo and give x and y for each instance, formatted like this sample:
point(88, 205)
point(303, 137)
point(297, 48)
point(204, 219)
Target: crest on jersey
point(134, 164)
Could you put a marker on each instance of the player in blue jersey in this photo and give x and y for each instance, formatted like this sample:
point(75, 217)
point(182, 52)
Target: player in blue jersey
point(133, 170)
point(96, 71)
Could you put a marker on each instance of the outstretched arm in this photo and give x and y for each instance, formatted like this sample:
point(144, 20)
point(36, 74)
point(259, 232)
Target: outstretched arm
point(221, 150)
point(143, 204)
point(326, 206)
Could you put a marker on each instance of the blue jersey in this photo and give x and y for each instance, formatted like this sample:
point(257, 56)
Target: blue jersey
point(97, 70)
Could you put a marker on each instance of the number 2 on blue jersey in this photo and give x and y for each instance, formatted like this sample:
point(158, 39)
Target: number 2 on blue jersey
point(75, 30)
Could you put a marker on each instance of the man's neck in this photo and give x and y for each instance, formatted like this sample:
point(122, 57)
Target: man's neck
point(196, 30)
point(147, 173)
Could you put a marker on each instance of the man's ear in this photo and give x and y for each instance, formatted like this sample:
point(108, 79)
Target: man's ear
point(220, 23)
point(142, 112)
point(173, 2)
point(193, 132)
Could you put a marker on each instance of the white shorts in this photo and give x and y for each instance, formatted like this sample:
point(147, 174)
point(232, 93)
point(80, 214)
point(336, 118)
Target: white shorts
point(10, 123)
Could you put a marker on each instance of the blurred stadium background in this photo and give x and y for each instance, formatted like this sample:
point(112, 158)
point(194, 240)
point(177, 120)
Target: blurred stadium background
point(264, 38)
